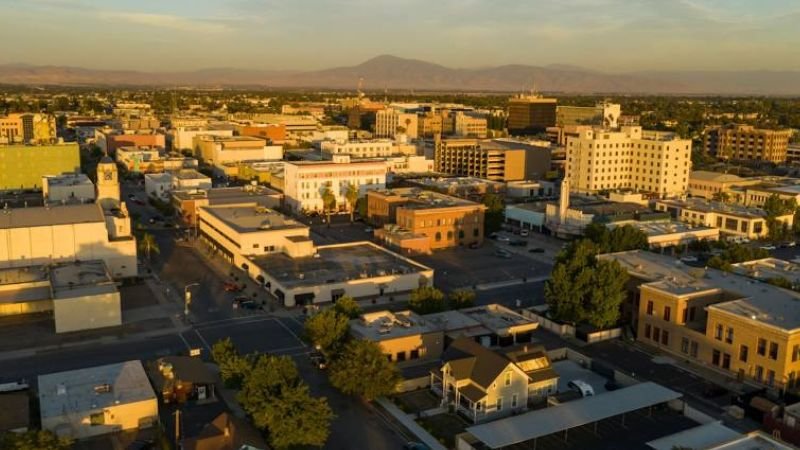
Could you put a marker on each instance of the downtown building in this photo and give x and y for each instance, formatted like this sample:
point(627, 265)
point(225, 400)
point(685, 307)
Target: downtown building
point(531, 114)
point(495, 160)
point(27, 128)
point(745, 142)
point(629, 159)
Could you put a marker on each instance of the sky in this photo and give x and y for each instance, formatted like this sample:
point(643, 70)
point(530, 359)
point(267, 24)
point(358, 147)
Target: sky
point(607, 35)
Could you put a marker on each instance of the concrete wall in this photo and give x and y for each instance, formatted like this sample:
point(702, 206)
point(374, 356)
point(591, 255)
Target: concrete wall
point(117, 418)
point(87, 312)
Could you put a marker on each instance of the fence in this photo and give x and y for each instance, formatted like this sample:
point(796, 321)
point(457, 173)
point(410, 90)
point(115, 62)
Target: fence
point(560, 329)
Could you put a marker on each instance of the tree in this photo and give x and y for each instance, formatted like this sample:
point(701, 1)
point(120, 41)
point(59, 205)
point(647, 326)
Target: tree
point(233, 367)
point(148, 244)
point(328, 202)
point(298, 419)
point(583, 289)
point(347, 306)
point(327, 330)
point(619, 239)
point(363, 370)
point(780, 282)
point(351, 195)
point(273, 395)
point(34, 440)
point(461, 298)
point(736, 253)
point(426, 300)
point(495, 212)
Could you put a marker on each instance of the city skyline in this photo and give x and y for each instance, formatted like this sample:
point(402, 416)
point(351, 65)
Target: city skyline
point(605, 35)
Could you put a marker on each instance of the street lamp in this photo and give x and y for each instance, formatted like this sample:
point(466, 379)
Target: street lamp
point(187, 298)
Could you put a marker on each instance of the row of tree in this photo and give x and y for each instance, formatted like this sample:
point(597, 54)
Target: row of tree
point(429, 300)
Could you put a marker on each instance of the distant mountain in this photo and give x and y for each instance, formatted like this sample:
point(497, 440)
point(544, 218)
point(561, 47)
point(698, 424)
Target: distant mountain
point(391, 72)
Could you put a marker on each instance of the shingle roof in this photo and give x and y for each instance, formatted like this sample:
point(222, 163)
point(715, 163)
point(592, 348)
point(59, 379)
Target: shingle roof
point(470, 360)
point(212, 437)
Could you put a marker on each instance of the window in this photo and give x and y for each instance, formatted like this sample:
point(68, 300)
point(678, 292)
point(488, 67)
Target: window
point(656, 334)
point(726, 361)
point(715, 357)
point(684, 345)
point(449, 235)
point(650, 308)
point(499, 403)
point(759, 373)
point(414, 354)
point(514, 401)
point(743, 353)
point(795, 353)
point(762, 347)
point(773, 350)
point(729, 335)
point(691, 314)
point(401, 356)
point(438, 236)
point(718, 332)
point(685, 315)
point(97, 419)
point(667, 312)
point(507, 381)
point(665, 337)
point(693, 349)
point(770, 377)
point(647, 330)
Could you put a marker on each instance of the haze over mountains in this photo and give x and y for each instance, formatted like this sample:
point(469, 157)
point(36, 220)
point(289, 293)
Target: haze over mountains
point(390, 72)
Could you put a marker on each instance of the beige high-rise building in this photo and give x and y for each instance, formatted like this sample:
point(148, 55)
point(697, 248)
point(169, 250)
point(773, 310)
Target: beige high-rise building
point(631, 158)
point(27, 128)
point(744, 142)
point(390, 122)
point(530, 114)
point(495, 160)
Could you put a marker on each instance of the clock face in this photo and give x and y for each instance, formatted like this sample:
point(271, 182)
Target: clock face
point(108, 176)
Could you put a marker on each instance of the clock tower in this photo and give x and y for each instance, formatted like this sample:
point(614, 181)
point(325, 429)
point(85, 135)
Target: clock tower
point(107, 183)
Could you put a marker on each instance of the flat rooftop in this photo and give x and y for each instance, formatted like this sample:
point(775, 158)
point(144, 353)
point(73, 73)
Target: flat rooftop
point(20, 275)
point(44, 216)
point(81, 278)
point(217, 138)
point(189, 174)
point(69, 179)
point(700, 437)
point(251, 218)
point(443, 182)
point(708, 206)
point(387, 325)
point(336, 263)
point(76, 391)
point(222, 194)
point(661, 227)
point(754, 300)
point(767, 268)
point(422, 199)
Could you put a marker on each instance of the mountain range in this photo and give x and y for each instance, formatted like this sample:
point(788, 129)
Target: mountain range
point(394, 73)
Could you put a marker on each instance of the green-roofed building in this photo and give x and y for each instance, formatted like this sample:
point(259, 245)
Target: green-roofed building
point(23, 166)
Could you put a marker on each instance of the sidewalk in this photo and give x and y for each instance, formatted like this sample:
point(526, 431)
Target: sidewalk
point(412, 426)
point(502, 284)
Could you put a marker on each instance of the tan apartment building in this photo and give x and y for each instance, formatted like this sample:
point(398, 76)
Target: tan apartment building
point(530, 114)
point(730, 219)
point(404, 336)
point(718, 320)
point(631, 158)
point(495, 160)
point(745, 142)
point(27, 128)
point(421, 221)
point(390, 122)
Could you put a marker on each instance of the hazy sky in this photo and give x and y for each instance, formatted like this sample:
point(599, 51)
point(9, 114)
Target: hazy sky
point(609, 35)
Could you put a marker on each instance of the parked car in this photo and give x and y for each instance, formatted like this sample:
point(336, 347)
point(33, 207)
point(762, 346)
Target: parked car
point(519, 243)
point(689, 259)
point(536, 250)
point(503, 239)
point(581, 387)
point(244, 302)
point(768, 247)
point(524, 233)
point(230, 286)
point(368, 230)
point(474, 245)
point(493, 236)
point(318, 359)
point(131, 197)
point(502, 253)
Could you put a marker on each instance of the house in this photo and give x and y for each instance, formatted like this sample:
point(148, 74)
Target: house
point(226, 432)
point(485, 385)
point(185, 378)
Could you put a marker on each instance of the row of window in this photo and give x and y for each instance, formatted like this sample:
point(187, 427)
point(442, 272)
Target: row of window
point(656, 334)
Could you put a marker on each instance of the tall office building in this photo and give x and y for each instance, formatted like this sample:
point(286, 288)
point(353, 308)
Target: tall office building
point(391, 122)
point(531, 114)
point(495, 160)
point(745, 142)
point(649, 161)
point(27, 128)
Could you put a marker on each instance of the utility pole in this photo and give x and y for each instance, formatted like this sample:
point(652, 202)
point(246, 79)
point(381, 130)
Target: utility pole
point(177, 427)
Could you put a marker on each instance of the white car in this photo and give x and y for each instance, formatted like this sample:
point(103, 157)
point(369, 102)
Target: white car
point(768, 247)
point(524, 233)
point(503, 239)
point(582, 387)
point(689, 258)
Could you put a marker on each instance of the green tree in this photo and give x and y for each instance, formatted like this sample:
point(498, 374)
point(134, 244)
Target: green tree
point(619, 239)
point(426, 300)
point(298, 419)
point(327, 330)
point(495, 212)
point(34, 440)
point(328, 202)
point(351, 195)
point(347, 306)
point(148, 245)
point(233, 367)
point(736, 253)
point(780, 282)
point(460, 298)
point(583, 289)
point(363, 370)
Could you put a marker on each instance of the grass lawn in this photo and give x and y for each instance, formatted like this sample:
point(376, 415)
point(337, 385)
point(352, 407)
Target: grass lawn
point(416, 401)
point(444, 427)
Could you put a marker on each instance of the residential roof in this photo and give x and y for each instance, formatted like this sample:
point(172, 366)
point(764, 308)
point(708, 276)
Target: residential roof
point(385, 325)
point(469, 360)
point(708, 206)
point(226, 432)
point(472, 392)
point(543, 422)
point(44, 216)
point(187, 368)
point(77, 391)
point(701, 437)
point(707, 175)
